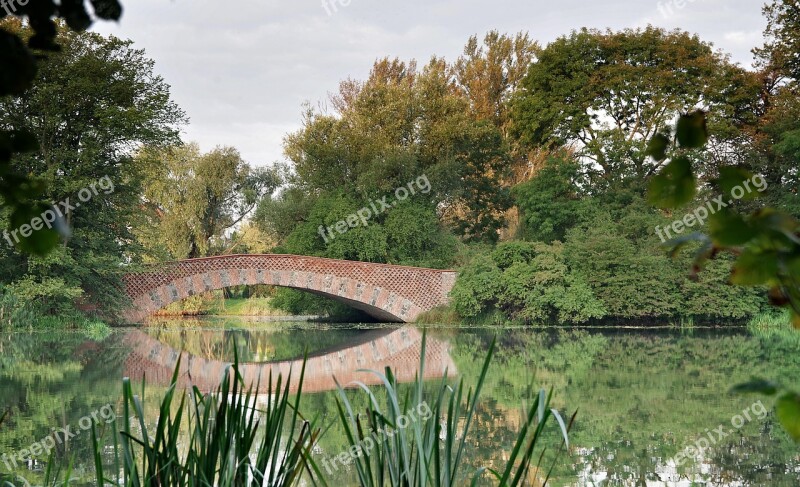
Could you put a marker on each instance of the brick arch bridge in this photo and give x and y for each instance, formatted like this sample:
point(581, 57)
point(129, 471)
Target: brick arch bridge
point(386, 292)
point(398, 348)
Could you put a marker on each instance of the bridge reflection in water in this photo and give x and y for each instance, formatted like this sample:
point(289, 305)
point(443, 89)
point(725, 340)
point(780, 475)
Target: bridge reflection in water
point(398, 348)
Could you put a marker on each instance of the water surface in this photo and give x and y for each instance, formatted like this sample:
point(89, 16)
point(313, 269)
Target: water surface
point(642, 395)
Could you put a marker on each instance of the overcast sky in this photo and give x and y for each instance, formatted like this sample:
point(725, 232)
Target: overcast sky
point(242, 69)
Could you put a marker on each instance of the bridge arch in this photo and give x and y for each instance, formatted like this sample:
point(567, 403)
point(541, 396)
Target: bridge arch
point(386, 292)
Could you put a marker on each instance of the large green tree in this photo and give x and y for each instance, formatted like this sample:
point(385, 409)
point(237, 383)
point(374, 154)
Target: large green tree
point(93, 103)
point(400, 124)
point(777, 133)
point(19, 192)
point(606, 94)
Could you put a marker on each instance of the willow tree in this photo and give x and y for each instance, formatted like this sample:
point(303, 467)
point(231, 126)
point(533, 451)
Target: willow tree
point(191, 199)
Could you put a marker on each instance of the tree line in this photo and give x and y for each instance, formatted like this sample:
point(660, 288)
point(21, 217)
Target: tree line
point(539, 160)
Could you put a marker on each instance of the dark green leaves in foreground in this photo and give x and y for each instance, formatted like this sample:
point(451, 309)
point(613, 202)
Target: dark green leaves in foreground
point(691, 131)
point(730, 229)
point(657, 147)
point(787, 407)
point(41, 15)
point(17, 63)
point(766, 242)
point(788, 411)
point(757, 386)
point(732, 177)
point(675, 185)
point(24, 196)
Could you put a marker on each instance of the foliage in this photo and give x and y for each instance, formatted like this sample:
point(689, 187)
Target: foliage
point(477, 287)
point(193, 199)
point(251, 306)
point(109, 102)
point(551, 202)
point(399, 125)
point(14, 311)
point(489, 74)
point(603, 103)
point(610, 268)
point(529, 282)
point(608, 93)
point(440, 315)
point(248, 239)
point(20, 193)
point(25, 307)
point(432, 450)
point(766, 242)
point(223, 445)
point(619, 256)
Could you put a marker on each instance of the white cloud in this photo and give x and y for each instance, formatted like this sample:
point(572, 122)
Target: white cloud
point(745, 40)
point(242, 70)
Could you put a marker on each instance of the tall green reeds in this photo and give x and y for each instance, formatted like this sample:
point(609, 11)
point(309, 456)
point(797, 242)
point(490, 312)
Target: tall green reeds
point(399, 446)
point(418, 439)
point(774, 325)
point(223, 427)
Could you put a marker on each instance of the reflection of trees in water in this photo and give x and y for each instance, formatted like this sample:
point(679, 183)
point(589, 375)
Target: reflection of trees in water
point(274, 342)
point(642, 397)
point(196, 339)
point(51, 380)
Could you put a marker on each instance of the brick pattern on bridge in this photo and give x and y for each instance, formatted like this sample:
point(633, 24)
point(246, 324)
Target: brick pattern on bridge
point(399, 349)
point(388, 292)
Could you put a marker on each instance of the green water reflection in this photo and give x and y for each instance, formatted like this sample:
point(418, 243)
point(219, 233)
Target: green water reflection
point(642, 396)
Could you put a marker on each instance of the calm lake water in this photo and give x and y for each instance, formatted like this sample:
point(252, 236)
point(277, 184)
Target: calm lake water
point(642, 396)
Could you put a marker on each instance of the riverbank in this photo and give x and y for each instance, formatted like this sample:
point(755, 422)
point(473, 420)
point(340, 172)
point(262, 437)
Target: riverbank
point(218, 305)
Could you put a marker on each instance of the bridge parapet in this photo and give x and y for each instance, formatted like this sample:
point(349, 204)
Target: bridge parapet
point(387, 292)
